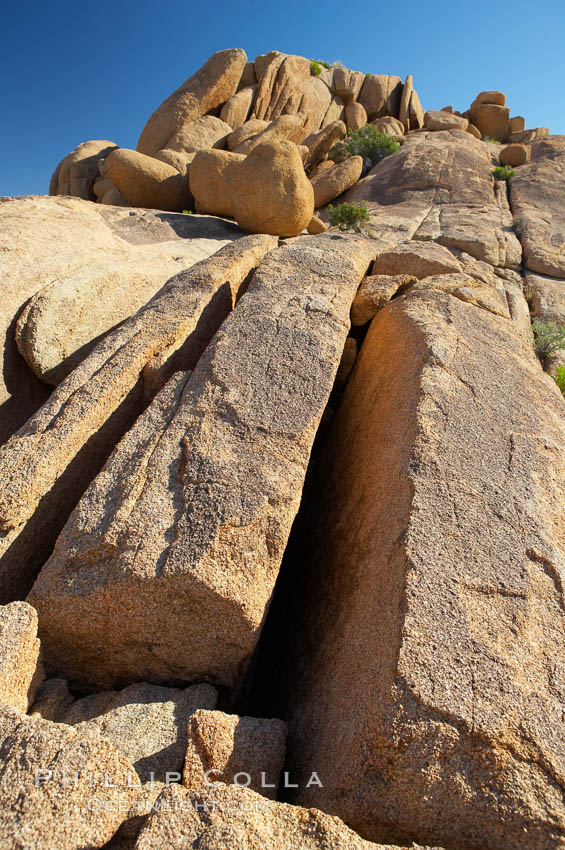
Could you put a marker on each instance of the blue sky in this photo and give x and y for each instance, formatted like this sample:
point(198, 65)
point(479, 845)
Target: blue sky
point(73, 71)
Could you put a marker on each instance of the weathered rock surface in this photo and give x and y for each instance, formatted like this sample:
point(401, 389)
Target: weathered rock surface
point(20, 671)
point(137, 817)
point(281, 80)
point(246, 131)
point(47, 465)
point(270, 192)
point(76, 173)
point(228, 816)
point(186, 524)
point(314, 104)
point(144, 181)
point(412, 704)
point(209, 87)
point(205, 132)
point(148, 724)
point(380, 95)
point(60, 788)
point(320, 143)
point(437, 120)
point(236, 110)
point(355, 116)
point(209, 181)
point(52, 700)
point(106, 266)
point(419, 259)
point(536, 198)
point(375, 291)
point(334, 181)
point(227, 748)
point(287, 127)
point(491, 120)
point(515, 155)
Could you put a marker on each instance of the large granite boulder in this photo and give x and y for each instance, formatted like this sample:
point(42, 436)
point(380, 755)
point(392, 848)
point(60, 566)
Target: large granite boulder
point(186, 525)
point(21, 673)
point(408, 692)
point(208, 88)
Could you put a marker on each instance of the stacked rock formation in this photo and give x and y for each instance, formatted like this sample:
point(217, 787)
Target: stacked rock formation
point(282, 547)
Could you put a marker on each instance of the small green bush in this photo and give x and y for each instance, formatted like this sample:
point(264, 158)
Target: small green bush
point(366, 142)
point(349, 217)
point(187, 212)
point(560, 378)
point(548, 337)
point(491, 140)
point(503, 172)
point(317, 66)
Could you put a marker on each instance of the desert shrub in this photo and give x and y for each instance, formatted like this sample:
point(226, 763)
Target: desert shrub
point(366, 142)
point(491, 140)
point(548, 337)
point(503, 172)
point(560, 378)
point(349, 217)
point(317, 66)
point(187, 212)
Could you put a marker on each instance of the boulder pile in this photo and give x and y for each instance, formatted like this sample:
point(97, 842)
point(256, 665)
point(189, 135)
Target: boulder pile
point(282, 503)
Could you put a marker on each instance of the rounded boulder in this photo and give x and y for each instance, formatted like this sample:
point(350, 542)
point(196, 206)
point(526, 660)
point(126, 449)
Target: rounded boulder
point(147, 182)
point(270, 192)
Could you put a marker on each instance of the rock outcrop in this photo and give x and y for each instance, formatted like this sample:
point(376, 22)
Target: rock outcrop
point(60, 788)
point(184, 527)
point(313, 474)
point(411, 700)
point(21, 673)
point(49, 462)
point(231, 749)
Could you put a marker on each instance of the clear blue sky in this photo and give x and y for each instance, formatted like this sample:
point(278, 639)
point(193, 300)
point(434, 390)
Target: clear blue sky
point(73, 70)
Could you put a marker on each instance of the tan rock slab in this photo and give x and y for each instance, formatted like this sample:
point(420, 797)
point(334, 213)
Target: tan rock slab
point(485, 232)
point(416, 111)
point(314, 103)
point(144, 181)
point(422, 682)
point(228, 816)
point(237, 109)
point(375, 291)
point(336, 112)
point(205, 132)
point(20, 669)
point(332, 182)
point(515, 155)
point(269, 190)
point(496, 97)
point(355, 116)
point(404, 107)
point(61, 788)
point(92, 408)
point(469, 290)
point(491, 120)
point(83, 162)
point(282, 78)
point(209, 182)
point(210, 86)
point(438, 120)
point(347, 84)
point(231, 749)
point(380, 95)
point(389, 126)
point(195, 565)
point(516, 124)
point(419, 259)
point(148, 724)
point(536, 199)
point(246, 131)
point(180, 160)
point(92, 286)
point(289, 127)
point(320, 143)
point(317, 225)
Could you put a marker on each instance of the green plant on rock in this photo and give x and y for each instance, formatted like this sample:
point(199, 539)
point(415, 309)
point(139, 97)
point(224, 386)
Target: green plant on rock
point(503, 172)
point(366, 142)
point(548, 338)
point(349, 217)
point(317, 66)
point(187, 212)
point(491, 140)
point(559, 378)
